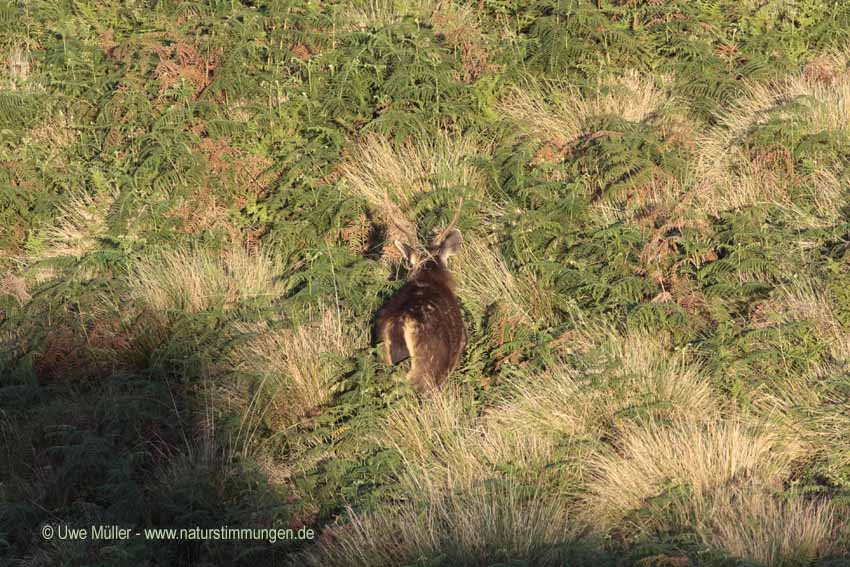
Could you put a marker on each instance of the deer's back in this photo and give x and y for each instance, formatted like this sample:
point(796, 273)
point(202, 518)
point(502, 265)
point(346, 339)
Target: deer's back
point(423, 320)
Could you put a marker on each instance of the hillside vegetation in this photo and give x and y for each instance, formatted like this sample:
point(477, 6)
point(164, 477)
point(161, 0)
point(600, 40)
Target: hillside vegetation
point(195, 238)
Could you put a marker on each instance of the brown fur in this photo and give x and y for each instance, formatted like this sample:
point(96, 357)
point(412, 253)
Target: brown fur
point(423, 319)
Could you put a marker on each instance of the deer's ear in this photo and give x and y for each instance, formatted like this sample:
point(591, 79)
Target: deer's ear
point(450, 245)
point(407, 252)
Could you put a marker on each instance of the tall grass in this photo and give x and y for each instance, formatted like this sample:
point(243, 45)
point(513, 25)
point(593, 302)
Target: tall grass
point(380, 13)
point(296, 365)
point(292, 366)
point(561, 114)
point(193, 280)
point(808, 102)
point(487, 525)
point(457, 505)
point(698, 456)
point(413, 168)
point(392, 179)
point(769, 530)
point(483, 279)
point(638, 379)
point(806, 299)
point(76, 228)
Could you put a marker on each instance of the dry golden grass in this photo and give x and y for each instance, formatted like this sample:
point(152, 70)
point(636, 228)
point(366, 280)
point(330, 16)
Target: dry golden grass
point(729, 178)
point(809, 300)
point(296, 365)
point(568, 407)
point(644, 380)
point(559, 121)
point(751, 524)
point(376, 169)
point(77, 226)
point(703, 456)
point(443, 446)
point(449, 17)
point(483, 280)
point(438, 443)
point(407, 172)
point(17, 68)
point(379, 13)
point(816, 414)
point(293, 369)
point(483, 526)
point(561, 114)
point(648, 374)
point(811, 406)
point(293, 365)
point(194, 280)
point(635, 97)
point(458, 504)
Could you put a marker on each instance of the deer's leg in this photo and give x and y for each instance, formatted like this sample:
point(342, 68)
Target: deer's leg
point(420, 378)
point(395, 346)
point(419, 374)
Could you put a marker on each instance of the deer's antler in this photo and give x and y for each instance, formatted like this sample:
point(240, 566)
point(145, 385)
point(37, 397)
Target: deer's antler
point(445, 232)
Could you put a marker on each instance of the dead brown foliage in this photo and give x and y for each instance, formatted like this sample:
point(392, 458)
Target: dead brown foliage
point(301, 51)
point(73, 354)
point(181, 61)
point(822, 69)
point(458, 28)
point(230, 173)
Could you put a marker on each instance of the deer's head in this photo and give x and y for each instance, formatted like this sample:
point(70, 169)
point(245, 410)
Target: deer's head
point(436, 254)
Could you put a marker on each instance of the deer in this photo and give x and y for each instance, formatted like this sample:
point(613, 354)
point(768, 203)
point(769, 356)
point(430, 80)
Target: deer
point(422, 320)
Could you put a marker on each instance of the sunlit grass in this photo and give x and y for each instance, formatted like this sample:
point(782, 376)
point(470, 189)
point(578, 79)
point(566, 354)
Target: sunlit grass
point(812, 102)
point(192, 280)
point(560, 114)
point(392, 179)
point(753, 525)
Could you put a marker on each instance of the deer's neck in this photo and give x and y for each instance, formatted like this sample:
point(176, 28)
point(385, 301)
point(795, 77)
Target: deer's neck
point(430, 275)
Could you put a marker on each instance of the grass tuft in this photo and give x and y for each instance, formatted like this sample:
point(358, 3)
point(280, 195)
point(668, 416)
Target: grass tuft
point(192, 280)
point(561, 114)
point(753, 525)
point(408, 172)
point(296, 365)
point(699, 457)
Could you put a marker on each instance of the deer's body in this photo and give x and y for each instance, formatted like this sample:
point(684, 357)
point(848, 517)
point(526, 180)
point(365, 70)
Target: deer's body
point(423, 319)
